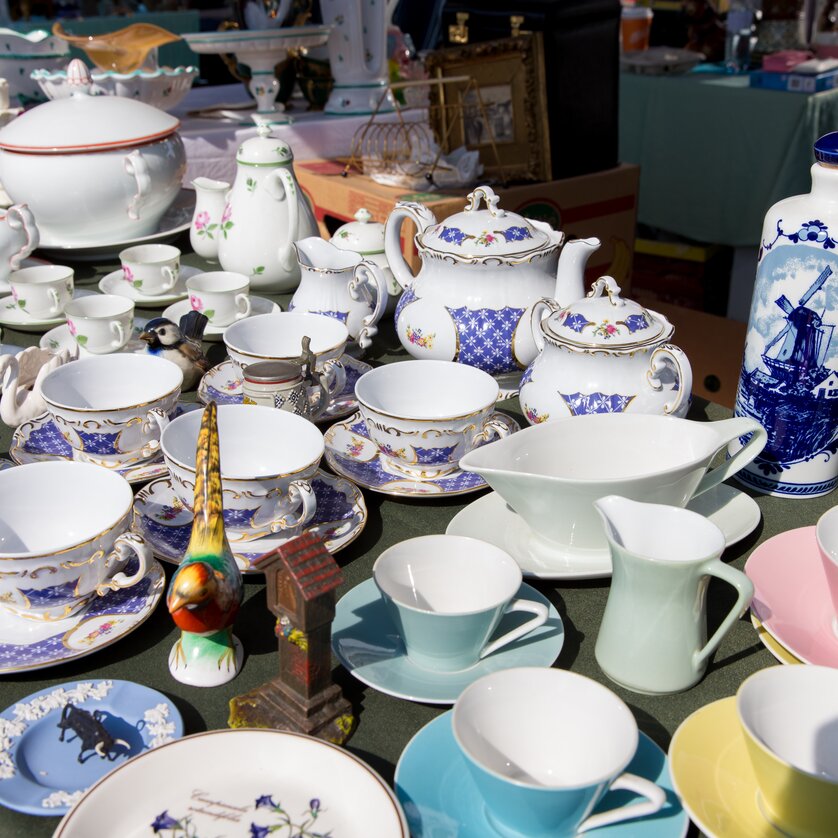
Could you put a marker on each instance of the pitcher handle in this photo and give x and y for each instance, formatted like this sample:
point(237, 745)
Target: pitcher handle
point(136, 166)
point(366, 274)
point(655, 798)
point(541, 613)
point(284, 178)
point(541, 309)
point(423, 218)
point(125, 544)
point(19, 216)
point(321, 401)
point(662, 355)
point(745, 588)
point(334, 374)
point(730, 429)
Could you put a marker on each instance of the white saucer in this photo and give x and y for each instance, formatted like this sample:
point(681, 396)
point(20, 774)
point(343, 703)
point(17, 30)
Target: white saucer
point(59, 338)
point(161, 519)
point(114, 283)
point(490, 519)
point(175, 220)
point(258, 305)
point(14, 318)
point(35, 644)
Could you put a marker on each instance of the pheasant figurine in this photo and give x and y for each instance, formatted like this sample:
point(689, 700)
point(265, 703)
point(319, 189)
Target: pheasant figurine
point(206, 589)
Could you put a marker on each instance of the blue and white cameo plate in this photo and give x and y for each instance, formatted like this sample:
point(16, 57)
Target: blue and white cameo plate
point(440, 799)
point(367, 643)
point(40, 441)
point(166, 525)
point(45, 769)
point(223, 385)
point(351, 452)
point(35, 644)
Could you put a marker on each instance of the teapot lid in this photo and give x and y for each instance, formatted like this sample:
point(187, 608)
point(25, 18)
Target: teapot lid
point(604, 319)
point(487, 232)
point(263, 149)
point(83, 122)
point(363, 235)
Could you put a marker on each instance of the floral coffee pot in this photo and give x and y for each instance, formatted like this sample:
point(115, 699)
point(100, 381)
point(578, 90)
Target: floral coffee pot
point(265, 212)
point(482, 272)
point(603, 354)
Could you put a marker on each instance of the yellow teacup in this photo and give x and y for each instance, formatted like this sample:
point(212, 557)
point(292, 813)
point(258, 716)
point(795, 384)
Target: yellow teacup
point(789, 716)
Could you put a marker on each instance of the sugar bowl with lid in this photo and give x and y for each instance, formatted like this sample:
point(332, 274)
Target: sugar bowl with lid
point(603, 354)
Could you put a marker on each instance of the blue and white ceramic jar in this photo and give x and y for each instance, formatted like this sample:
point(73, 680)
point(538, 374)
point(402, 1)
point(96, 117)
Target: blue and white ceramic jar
point(789, 378)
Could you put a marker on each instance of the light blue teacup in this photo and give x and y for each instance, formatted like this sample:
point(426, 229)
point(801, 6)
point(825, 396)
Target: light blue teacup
point(543, 746)
point(446, 595)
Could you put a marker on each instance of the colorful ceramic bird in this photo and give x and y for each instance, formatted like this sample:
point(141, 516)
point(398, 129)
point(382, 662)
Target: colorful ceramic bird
point(206, 589)
point(180, 344)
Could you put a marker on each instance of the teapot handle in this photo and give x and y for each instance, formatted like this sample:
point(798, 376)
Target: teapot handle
point(19, 216)
point(541, 309)
point(423, 218)
point(663, 356)
point(287, 254)
point(136, 166)
point(368, 273)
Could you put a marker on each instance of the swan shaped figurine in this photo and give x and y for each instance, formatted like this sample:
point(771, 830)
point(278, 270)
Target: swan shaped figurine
point(22, 375)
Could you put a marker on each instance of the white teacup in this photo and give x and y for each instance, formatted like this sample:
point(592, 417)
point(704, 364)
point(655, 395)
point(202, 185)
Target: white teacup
point(424, 416)
point(222, 296)
point(543, 747)
point(268, 458)
point(112, 409)
point(151, 269)
point(444, 619)
point(42, 291)
point(279, 337)
point(102, 323)
point(64, 538)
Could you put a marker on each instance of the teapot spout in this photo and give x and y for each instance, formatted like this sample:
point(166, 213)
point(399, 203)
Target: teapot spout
point(570, 276)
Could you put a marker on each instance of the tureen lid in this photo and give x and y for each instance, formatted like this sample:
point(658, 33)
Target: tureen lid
point(82, 122)
point(605, 319)
point(263, 149)
point(363, 235)
point(487, 232)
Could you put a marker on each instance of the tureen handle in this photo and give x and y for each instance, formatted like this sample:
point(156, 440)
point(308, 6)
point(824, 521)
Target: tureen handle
point(667, 354)
point(136, 166)
point(423, 218)
point(19, 216)
point(287, 254)
point(543, 308)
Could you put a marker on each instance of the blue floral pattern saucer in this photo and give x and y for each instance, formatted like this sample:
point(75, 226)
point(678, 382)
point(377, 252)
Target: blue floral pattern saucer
point(166, 525)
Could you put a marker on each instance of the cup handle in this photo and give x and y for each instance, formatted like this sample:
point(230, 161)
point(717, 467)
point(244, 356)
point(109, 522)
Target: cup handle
point(537, 608)
point(119, 335)
point(243, 305)
point(334, 374)
point(124, 546)
point(745, 588)
point(728, 430)
point(497, 426)
point(655, 798)
point(321, 402)
point(56, 301)
point(171, 278)
point(155, 416)
point(669, 353)
point(369, 274)
point(301, 495)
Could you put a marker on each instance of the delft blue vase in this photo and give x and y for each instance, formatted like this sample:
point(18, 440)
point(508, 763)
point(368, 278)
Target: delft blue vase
point(789, 381)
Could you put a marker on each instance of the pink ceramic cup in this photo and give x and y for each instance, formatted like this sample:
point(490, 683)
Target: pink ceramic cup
point(827, 533)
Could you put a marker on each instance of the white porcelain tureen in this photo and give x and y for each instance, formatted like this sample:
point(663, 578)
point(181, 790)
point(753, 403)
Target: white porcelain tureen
point(603, 354)
point(92, 168)
point(482, 271)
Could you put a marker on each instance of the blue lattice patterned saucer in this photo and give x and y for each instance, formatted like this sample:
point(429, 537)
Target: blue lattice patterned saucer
point(223, 385)
point(39, 440)
point(162, 520)
point(35, 644)
point(351, 452)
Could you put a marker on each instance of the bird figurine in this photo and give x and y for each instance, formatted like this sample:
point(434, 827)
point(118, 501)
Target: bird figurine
point(180, 344)
point(206, 589)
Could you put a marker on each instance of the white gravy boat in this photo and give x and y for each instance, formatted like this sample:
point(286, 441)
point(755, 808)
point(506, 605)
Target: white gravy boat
point(551, 473)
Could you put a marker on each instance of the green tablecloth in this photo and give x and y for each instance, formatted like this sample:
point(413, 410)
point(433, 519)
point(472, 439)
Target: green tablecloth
point(715, 154)
point(386, 724)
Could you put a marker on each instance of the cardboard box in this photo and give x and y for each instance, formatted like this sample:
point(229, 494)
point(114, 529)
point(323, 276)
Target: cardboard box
point(603, 204)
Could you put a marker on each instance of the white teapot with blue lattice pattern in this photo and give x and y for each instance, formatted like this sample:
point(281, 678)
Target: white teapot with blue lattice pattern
point(482, 272)
point(603, 354)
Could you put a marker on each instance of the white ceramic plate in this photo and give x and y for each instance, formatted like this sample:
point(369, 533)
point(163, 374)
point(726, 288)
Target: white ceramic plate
point(258, 305)
point(113, 283)
point(239, 784)
point(14, 318)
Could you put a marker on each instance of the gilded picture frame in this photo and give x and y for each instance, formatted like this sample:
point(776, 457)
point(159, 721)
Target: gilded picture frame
point(507, 120)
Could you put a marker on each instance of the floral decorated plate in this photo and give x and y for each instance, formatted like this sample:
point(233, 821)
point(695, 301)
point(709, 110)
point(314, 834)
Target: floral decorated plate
point(48, 753)
point(34, 644)
point(13, 316)
point(59, 338)
point(223, 385)
point(283, 785)
point(117, 283)
point(351, 452)
point(166, 525)
point(258, 305)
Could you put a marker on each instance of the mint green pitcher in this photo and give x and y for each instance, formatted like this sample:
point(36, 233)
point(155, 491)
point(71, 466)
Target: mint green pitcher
point(653, 636)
